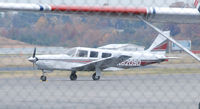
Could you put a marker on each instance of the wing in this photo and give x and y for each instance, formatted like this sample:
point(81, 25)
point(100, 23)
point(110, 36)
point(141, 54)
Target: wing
point(102, 63)
point(176, 15)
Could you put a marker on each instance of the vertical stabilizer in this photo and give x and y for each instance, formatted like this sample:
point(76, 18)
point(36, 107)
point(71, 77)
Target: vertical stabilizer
point(160, 43)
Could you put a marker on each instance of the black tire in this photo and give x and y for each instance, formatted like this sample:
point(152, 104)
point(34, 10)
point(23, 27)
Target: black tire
point(94, 77)
point(73, 76)
point(43, 78)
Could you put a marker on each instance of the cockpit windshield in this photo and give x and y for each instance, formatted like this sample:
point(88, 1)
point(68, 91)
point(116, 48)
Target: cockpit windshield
point(82, 53)
point(71, 52)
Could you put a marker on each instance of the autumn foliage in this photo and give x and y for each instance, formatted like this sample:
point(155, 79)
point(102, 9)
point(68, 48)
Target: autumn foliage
point(70, 31)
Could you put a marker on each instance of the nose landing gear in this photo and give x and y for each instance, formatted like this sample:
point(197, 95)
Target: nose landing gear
point(43, 77)
point(73, 75)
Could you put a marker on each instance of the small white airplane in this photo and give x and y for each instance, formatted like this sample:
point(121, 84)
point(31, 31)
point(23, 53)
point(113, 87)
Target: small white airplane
point(95, 59)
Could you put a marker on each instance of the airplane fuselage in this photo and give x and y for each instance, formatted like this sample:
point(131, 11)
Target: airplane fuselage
point(66, 62)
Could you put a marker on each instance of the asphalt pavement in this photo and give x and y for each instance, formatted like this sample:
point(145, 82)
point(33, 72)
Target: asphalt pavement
point(141, 91)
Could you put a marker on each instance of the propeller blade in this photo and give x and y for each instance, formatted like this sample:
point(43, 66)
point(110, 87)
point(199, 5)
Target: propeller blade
point(34, 52)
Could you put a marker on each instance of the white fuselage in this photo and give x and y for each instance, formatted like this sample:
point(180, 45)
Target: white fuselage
point(66, 62)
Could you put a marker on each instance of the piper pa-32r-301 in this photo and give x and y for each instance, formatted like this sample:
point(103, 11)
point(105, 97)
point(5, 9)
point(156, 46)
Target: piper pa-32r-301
point(95, 59)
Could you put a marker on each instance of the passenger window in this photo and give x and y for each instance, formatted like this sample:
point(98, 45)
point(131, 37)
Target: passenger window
point(93, 54)
point(105, 55)
point(82, 53)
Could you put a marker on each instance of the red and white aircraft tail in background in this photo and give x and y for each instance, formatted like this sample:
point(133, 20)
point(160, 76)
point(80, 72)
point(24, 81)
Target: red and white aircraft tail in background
point(146, 14)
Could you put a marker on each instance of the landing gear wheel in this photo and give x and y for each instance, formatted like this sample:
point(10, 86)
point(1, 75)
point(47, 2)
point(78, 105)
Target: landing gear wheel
point(43, 78)
point(73, 76)
point(94, 77)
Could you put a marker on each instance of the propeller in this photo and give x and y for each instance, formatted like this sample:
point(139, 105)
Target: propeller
point(34, 52)
point(33, 59)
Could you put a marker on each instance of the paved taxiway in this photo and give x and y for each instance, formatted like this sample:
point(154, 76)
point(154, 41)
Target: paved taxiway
point(146, 91)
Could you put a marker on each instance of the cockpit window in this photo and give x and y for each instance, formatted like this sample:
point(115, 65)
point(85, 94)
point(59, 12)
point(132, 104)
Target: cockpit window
point(71, 52)
point(105, 55)
point(93, 54)
point(82, 53)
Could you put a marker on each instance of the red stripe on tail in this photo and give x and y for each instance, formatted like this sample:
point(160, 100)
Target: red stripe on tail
point(161, 47)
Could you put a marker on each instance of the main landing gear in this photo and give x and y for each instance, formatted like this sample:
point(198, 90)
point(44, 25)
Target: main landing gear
point(73, 75)
point(95, 77)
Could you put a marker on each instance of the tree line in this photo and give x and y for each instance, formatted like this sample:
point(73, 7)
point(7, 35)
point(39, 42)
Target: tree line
point(70, 31)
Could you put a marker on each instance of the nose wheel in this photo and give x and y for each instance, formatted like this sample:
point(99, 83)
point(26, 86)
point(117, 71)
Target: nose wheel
point(73, 76)
point(94, 77)
point(43, 78)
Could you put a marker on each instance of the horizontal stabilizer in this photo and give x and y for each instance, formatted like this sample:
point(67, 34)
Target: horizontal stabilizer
point(173, 57)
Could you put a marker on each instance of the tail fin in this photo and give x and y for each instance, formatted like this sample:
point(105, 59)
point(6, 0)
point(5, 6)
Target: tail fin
point(160, 43)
